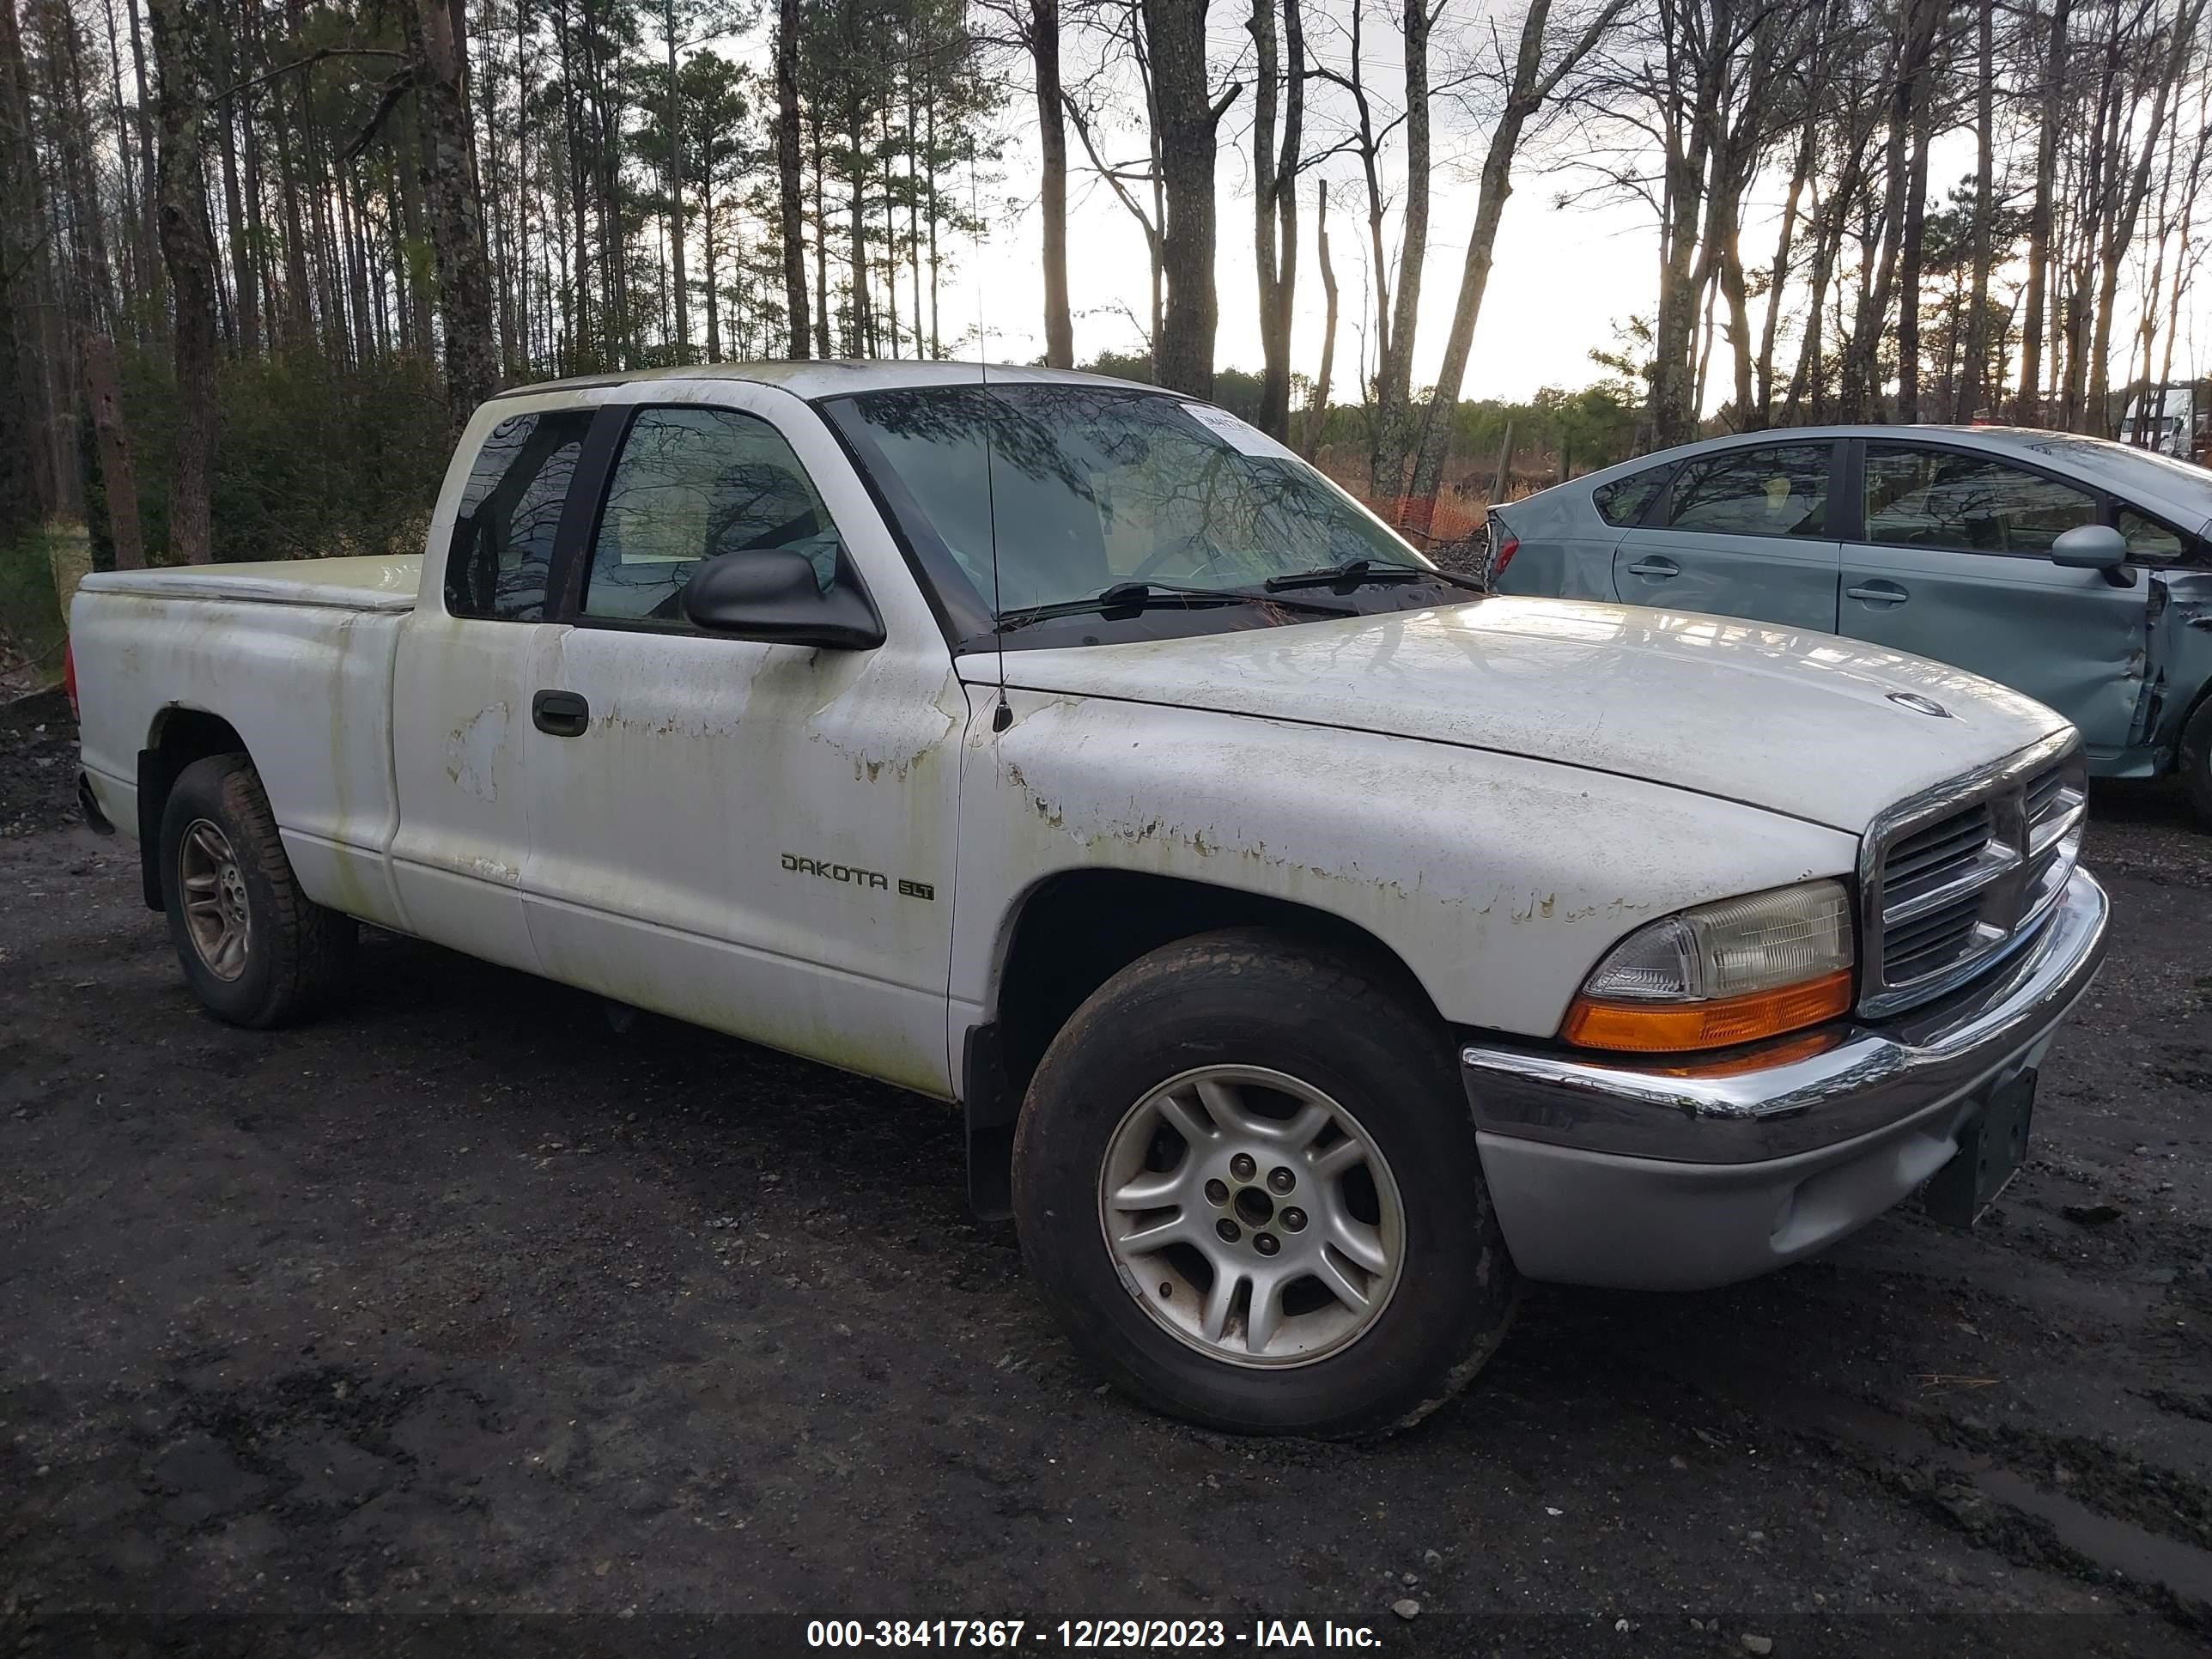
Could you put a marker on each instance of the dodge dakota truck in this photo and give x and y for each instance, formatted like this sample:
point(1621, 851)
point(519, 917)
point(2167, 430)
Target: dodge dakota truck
point(1316, 946)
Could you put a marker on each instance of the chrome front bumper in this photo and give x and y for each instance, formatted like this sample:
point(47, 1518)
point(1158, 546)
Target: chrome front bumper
point(1651, 1175)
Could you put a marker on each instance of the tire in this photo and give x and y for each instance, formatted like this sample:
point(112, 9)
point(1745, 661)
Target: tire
point(293, 954)
point(2194, 762)
point(1283, 1028)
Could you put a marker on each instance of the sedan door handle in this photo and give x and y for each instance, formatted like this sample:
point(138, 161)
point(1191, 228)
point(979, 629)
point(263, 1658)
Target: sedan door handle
point(561, 714)
point(1882, 593)
point(1655, 567)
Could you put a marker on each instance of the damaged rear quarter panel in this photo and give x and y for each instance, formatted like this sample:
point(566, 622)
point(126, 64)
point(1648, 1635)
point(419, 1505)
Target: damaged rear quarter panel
point(1499, 880)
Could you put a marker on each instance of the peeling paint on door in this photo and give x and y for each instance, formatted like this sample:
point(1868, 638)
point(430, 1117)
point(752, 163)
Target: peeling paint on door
point(474, 751)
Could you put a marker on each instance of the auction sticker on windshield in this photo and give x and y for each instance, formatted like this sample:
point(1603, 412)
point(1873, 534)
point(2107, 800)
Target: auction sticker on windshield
point(1242, 436)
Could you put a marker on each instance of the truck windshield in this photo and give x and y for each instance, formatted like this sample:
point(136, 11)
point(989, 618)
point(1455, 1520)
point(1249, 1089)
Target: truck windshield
point(1092, 487)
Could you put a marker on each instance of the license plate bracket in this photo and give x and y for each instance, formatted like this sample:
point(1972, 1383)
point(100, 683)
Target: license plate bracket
point(1991, 1148)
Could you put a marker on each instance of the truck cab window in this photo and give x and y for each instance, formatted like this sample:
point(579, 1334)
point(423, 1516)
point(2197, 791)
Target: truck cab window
point(503, 537)
point(692, 483)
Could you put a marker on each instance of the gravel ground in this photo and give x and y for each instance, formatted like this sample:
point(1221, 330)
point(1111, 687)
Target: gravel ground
point(460, 1322)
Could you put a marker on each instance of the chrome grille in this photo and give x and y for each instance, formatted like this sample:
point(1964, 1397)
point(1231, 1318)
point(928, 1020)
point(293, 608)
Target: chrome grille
point(1927, 859)
point(1953, 879)
point(2042, 789)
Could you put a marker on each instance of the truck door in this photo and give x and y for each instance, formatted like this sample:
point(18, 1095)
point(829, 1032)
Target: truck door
point(1741, 531)
point(1953, 562)
point(755, 837)
point(467, 658)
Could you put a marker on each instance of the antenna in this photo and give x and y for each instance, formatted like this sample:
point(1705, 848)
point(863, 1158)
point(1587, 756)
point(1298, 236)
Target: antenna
point(1003, 715)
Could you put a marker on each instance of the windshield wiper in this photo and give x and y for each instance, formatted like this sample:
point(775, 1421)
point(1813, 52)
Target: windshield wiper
point(1356, 572)
point(1143, 596)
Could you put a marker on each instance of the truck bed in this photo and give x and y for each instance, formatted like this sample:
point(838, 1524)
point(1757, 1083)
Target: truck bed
point(366, 584)
point(296, 658)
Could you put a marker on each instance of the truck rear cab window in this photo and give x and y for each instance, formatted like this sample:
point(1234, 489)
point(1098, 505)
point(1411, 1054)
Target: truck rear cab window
point(692, 483)
point(504, 536)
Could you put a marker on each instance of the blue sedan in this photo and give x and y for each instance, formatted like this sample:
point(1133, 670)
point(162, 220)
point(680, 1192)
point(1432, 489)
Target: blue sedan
point(2075, 570)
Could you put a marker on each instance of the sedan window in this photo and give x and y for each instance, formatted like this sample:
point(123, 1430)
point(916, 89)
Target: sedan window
point(1623, 501)
point(1917, 497)
point(2148, 540)
point(1779, 490)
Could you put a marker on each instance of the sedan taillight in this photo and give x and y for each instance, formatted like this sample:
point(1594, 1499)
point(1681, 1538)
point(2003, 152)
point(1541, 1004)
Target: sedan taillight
point(1502, 555)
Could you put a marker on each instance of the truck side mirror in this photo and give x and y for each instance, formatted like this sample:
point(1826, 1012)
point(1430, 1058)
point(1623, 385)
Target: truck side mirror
point(772, 596)
point(2094, 547)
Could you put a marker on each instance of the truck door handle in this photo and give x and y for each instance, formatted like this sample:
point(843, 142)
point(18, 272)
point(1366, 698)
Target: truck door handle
point(1882, 593)
point(1655, 567)
point(561, 714)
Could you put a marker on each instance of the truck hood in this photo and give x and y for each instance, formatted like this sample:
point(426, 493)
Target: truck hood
point(1802, 724)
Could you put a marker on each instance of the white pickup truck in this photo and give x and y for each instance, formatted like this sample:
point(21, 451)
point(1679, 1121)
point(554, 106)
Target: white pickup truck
point(1317, 947)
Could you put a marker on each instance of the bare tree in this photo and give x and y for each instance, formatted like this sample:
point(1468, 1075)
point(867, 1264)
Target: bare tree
point(2028, 407)
point(1275, 196)
point(179, 29)
point(791, 191)
point(1052, 192)
point(1317, 412)
point(457, 233)
point(1185, 114)
point(37, 415)
point(1392, 436)
point(1532, 82)
point(2167, 68)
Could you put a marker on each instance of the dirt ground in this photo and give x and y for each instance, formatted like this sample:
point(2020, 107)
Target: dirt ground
point(460, 1322)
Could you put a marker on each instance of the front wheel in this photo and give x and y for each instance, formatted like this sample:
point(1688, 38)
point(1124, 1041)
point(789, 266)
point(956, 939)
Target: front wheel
point(2194, 762)
point(1246, 1175)
point(256, 950)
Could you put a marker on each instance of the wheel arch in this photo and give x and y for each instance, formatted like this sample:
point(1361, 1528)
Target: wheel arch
point(177, 737)
point(2197, 704)
point(1071, 931)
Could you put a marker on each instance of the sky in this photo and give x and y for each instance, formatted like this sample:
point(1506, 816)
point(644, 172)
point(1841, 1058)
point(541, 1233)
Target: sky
point(1565, 277)
point(1562, 279)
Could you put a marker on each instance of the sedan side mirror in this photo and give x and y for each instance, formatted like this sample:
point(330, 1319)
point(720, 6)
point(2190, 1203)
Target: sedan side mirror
point(773, 596)
point(2094, 547)
point(2090, 547)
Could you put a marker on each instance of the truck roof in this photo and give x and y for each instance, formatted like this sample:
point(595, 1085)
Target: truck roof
point(831, 377)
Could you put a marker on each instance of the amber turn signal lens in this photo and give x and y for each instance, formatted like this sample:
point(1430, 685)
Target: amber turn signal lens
point(1669, 1028)
point(1760, 1057)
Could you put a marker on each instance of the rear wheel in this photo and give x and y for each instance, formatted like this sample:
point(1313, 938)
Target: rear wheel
point(1246, 1173)
point(256, 950)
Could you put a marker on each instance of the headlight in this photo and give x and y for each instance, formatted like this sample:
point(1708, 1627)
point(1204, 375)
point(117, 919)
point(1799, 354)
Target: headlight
point(1727, 973)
